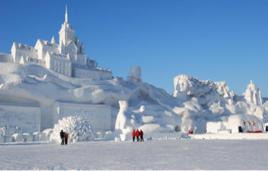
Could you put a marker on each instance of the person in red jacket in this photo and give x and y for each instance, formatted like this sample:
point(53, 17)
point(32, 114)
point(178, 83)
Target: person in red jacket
point(133, 134)
point(141, 135)
point(137, 134)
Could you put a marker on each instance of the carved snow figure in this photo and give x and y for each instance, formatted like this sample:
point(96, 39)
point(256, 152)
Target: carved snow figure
point(122, 126)
point(207, 92)
point(121, 119)
point(186, 122)
point(135, 74)
point(16, 137)
point(142, 109)
point(22, 61)
point(182, 85)
point(253, 94)
point(224, 91)
point(3, 132)
point(216, 108)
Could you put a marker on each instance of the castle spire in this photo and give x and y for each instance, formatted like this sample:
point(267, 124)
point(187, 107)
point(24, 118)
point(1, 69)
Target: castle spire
point(66, 14)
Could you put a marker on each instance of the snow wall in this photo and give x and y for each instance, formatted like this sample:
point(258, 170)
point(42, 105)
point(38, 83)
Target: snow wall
point(20, 118)
point(92, 74)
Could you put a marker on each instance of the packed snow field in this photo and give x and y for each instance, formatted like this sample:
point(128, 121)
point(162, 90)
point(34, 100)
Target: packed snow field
point(169, 154)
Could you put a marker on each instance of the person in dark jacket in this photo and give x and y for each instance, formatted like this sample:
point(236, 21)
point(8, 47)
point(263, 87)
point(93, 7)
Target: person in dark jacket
point(133, 135)
point(62, 137)
point(141, 135)
point(66, 136)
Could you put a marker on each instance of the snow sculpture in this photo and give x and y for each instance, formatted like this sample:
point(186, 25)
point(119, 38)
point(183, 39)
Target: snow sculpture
point(192, 116)
point(121, 119)
point(45, 135)
point(3, 132)
point(186, 122)
point(182, 84)
point(259, 112)
point(207, 92)
point(67, 56)
point(248, 123)
point(193, 105)
point(135, 74)
point(253, 94)
point(22, 60)
point(186, 87)
point(215, 127)
point(265, 106)
point(77, 127)
point(142, 109)
point(216, 108)
point(224, 91)
point(27, 137)
point(36, 136)
point(122, 127)
point(236, 123)
point(17, 137)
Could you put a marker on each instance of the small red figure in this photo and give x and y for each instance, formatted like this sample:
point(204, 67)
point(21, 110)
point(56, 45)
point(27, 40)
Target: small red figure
point(133, 135)
point(137, 135)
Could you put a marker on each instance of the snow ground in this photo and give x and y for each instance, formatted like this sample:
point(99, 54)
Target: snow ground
point(170, 154)
point(233, 136)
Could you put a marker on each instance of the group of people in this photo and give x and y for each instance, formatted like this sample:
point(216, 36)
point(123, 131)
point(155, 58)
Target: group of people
point(64, 137)
point(137, 135)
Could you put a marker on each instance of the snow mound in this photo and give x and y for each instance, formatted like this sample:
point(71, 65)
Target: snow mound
point(77, 127)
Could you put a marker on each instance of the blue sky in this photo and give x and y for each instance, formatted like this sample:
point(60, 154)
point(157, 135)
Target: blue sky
point(208, 39)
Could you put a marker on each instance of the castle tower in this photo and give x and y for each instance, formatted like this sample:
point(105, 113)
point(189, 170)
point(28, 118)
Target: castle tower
point(66, 34)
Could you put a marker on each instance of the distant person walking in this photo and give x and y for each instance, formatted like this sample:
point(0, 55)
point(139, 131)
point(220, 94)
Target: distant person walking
point(133, 135)
point(141, 135)
point(66, 136)
point(137, 135)
point(62, 137)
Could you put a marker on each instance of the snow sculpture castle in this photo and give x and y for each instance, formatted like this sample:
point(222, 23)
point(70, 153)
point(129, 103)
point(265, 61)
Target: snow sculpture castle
point(66, 57)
